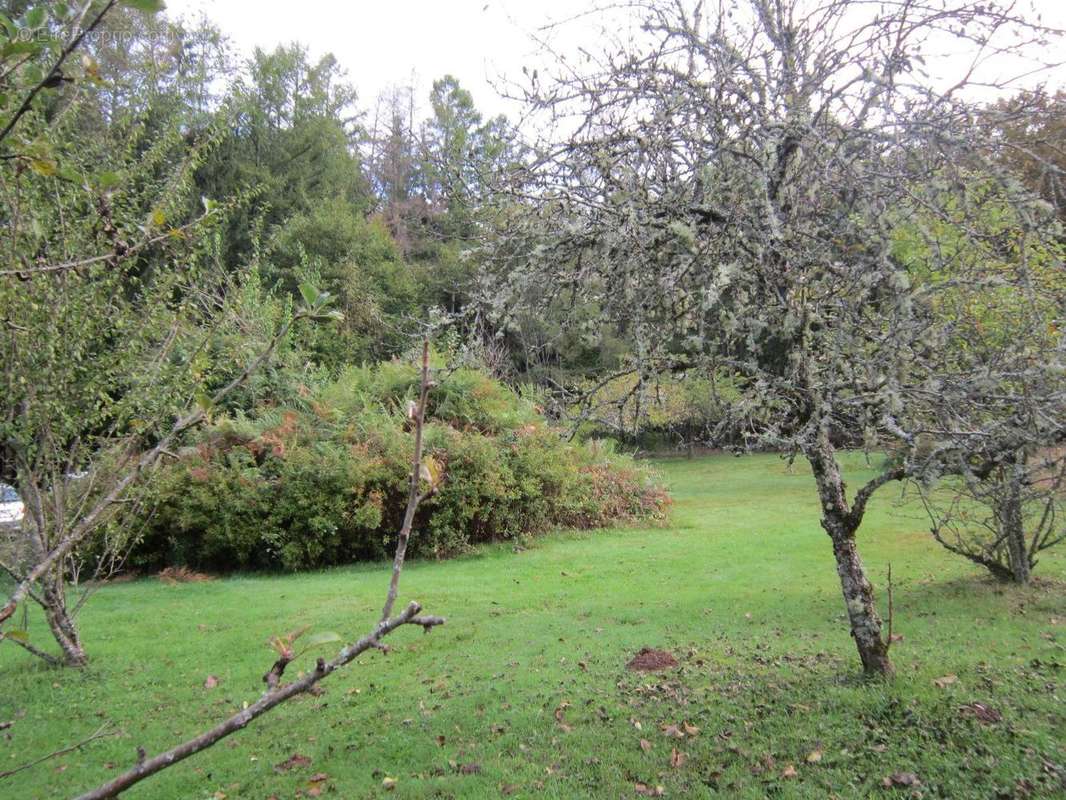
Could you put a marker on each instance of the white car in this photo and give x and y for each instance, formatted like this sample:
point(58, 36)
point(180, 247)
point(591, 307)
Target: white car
point(12, 509)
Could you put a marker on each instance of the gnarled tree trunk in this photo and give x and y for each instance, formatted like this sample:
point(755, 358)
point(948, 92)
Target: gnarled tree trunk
point(841, 522)
point(1011, 521)
point(859, 600)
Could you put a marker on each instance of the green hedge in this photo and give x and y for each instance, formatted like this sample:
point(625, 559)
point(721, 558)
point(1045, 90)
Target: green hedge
point(325, 483)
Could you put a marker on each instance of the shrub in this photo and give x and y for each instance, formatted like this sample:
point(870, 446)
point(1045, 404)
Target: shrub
point(326, 483)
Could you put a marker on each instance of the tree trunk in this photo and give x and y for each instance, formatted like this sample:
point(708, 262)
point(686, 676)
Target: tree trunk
point(1012, 523)
point(841, 524)
point(60, 622)
point(859, 601)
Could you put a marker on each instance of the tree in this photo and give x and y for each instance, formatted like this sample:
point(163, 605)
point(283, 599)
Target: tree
point(150, 69)
point(460, 153)
point(115, 322)
point(1029, 133)
point(293, 131)
point(1002, 510)
point(993, 493)
point(726, 188)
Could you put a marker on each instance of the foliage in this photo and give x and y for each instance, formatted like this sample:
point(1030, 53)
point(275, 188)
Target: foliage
point(662, 412)
point(358, 261)
point(293, 127)
point(1029, 133)
point(321, 483)
point(121, 329)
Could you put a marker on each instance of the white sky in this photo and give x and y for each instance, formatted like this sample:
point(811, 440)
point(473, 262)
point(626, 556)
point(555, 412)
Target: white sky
point(384, 43)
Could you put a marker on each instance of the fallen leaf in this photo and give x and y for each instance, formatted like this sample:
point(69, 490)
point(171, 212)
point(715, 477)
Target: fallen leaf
point(583, 665)
point(388, 784)
point(672, 731)
point(292, 762)
point(559, 716)
point(901, 779)
point(981, 712)
point(789, 772)
point(440, 741)
point(691, 730)
point(469, 769)
point(946, 681)
point(648, 791)
point(677, 758)
point(211, 682)
point(814, 756)
point(645, 745)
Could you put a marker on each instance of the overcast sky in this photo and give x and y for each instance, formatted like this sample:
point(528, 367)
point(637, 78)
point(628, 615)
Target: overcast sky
point(383, 43)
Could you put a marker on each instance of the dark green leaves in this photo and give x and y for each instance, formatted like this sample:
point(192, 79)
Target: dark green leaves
point(316, 302)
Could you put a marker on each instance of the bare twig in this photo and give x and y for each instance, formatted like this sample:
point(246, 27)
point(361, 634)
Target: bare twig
point(46, 657)
point(100, 733)
point(891, 610)
point(414, 498)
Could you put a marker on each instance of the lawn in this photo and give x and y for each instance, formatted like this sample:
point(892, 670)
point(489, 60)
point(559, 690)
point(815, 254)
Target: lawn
point(525, 692)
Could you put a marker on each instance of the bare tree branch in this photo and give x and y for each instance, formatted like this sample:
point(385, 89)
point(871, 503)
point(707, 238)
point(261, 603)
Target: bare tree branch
point(270, 699)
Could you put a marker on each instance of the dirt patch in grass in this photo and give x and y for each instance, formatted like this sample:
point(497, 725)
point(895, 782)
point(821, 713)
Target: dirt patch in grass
point(651, 660)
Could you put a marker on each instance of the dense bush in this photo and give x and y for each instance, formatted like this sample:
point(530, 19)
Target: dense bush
point(325, 483)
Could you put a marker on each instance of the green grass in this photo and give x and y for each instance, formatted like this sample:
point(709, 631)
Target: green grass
point(740, 587)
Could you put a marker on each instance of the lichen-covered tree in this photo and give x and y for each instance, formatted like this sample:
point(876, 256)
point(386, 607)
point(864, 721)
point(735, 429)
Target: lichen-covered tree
point(725, 183)
point(998, 419)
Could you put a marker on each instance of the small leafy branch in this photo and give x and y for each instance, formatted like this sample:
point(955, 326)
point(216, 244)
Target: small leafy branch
point(285, 645)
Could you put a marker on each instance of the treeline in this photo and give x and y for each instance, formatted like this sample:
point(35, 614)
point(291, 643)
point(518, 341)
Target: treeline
point(368, 201)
